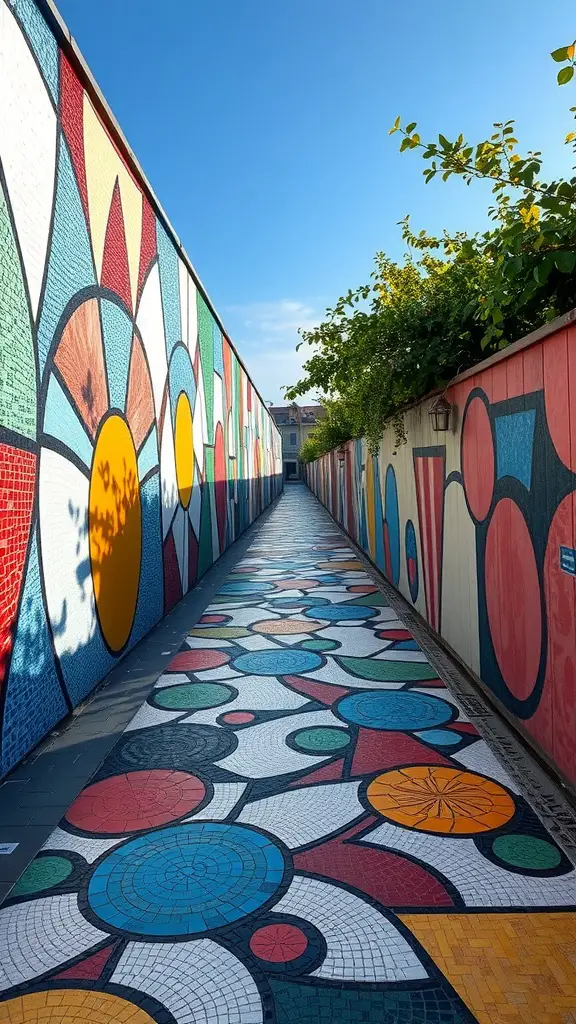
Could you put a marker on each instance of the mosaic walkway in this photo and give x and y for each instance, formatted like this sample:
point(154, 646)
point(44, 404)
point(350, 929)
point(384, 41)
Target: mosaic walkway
point(299, 825)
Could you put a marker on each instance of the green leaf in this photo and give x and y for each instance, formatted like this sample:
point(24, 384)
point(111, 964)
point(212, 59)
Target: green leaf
point(395, 126)
point(444, 142)
point(560, 54)
point(565, 75)
point(542, 270)
point(410, 127)
point(513, 267)
point(565, 261)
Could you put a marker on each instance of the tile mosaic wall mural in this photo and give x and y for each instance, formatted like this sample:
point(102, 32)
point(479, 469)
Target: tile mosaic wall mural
point(476, 527)
point(133, 447)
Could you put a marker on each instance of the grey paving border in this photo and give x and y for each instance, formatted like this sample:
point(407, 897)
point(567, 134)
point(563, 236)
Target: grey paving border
point(549, 798)
point(36, 794)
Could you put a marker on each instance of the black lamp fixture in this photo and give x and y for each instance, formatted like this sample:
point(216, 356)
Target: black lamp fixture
point(440, 411)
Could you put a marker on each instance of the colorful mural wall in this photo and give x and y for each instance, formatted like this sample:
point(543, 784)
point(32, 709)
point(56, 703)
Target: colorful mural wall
point(133, 447)
point(477, 529)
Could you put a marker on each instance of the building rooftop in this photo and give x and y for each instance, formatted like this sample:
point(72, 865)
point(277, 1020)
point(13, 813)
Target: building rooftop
point(285, 414)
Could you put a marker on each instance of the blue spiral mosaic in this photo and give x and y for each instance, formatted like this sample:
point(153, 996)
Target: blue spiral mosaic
point(297, 602)
point(340, 612)
point(276, 663)
point(246, 587)
point(440, 737)
point(185, 880)
point(394, 710)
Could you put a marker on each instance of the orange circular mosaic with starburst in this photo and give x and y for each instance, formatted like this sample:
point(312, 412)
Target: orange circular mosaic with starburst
point(438, 799)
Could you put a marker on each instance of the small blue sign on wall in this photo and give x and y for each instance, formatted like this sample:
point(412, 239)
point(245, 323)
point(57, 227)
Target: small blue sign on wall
point(568, 560)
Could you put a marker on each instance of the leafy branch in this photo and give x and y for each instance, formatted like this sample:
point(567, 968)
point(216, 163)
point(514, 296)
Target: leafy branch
point(565, 54)
point(455, 297)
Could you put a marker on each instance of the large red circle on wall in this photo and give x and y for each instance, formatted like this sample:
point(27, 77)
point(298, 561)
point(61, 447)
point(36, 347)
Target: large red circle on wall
point(513, 598)
point(559, 694)
point(478, 459)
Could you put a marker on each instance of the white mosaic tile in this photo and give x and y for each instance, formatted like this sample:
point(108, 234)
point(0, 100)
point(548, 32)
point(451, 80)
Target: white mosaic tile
point(204, 642)
point(255, 693)
point(363, 945)
point(412, 656)
point(37, 936)
point(90, 849)
point(357, 642)
point(171, 679)
point(262, 750)
point(199, 982)
point(222, 672)
point(226, 796)
point(146, 717)
point(240, 616)
point(479, 758)
point(301, 816)
point(256, 642)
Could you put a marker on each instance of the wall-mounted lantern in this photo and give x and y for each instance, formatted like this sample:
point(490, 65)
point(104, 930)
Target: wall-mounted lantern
point(341, 453)
point(440, 411)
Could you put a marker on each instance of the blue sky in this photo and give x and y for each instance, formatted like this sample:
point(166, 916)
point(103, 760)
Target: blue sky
point(263, 128)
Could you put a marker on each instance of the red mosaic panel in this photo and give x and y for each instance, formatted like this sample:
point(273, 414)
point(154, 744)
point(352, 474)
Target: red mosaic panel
point(17, 484)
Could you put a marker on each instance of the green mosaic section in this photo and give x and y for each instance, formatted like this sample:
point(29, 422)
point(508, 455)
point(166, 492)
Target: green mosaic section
point(192, 697)
point(206, 342)
point(205, 553)
point(319, 645)
point(321, 739)
point(527, 852)
point(43, 873)
point(17, 366)
point(320, 1004)
point(389, 671)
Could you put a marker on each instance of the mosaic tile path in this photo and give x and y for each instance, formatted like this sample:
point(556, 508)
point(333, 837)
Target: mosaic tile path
point(299, 825)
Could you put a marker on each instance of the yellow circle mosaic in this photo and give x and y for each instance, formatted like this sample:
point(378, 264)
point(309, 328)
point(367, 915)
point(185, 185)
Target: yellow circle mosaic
point(71, 1006)
point(115, 530)
point(184, 449)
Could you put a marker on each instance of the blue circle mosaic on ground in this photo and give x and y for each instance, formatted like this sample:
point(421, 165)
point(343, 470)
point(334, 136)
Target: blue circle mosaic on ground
point(440, 737)
point(247, 587)
point(185, 880)
point(394, 710)
point(297, 602)
point(276, 663)
point(340, 612)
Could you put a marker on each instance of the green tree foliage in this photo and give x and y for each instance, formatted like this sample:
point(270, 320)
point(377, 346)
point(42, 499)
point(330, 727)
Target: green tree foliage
point(454, 299)
point(333, 430)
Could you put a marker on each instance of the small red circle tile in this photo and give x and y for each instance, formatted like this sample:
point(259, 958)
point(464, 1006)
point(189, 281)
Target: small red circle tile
point(278, 943)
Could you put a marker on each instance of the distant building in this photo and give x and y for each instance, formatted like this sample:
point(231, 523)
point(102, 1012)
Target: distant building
point(294, 423)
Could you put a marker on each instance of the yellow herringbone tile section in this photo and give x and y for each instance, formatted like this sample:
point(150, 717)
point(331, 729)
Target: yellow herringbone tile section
point(508, 968)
